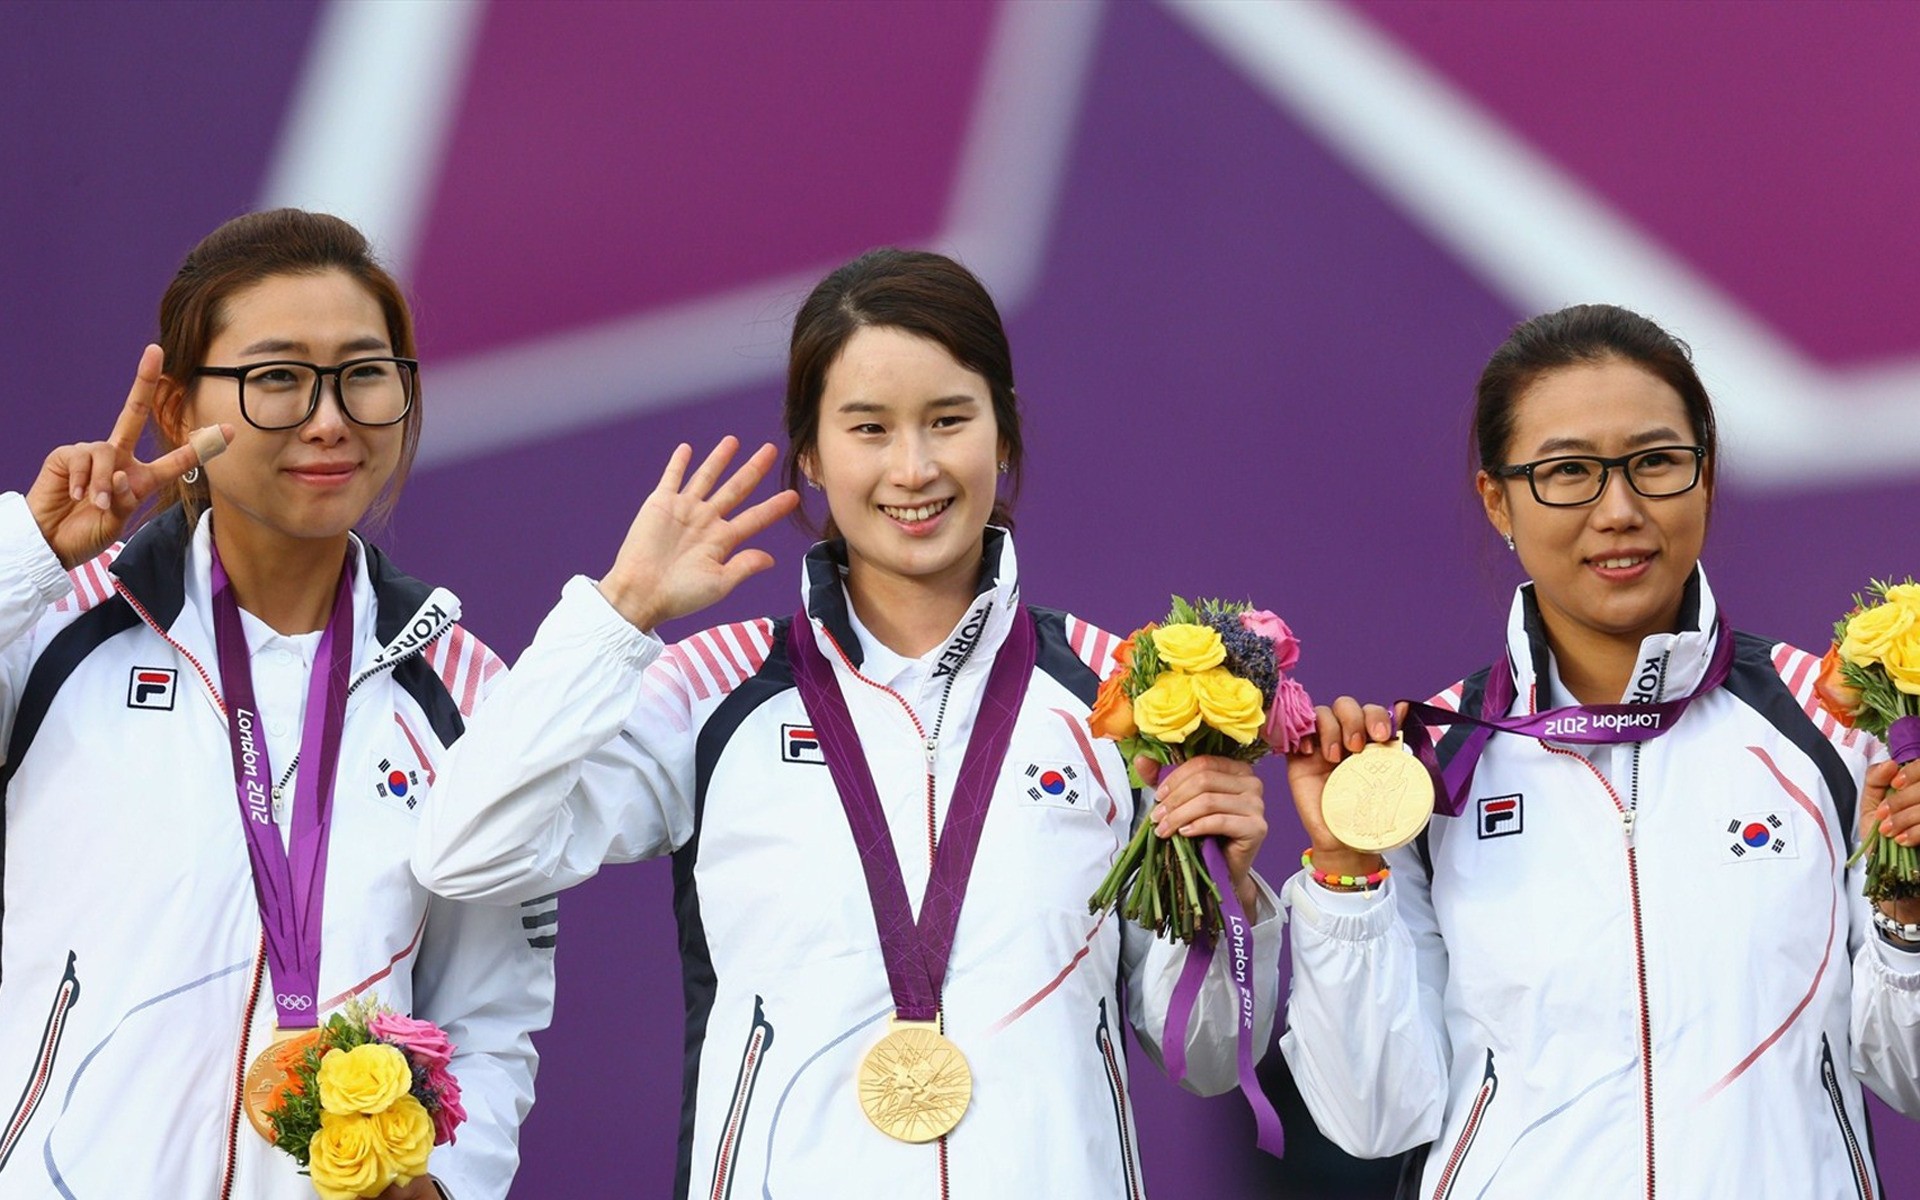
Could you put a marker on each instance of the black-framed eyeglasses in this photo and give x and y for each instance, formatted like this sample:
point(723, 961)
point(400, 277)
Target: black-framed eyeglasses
point(284, 393)
point(1570, 480)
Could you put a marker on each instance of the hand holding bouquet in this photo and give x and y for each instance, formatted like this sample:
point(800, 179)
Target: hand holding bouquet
point(1209, 680)
point(367, 1097)
point(1870, 680)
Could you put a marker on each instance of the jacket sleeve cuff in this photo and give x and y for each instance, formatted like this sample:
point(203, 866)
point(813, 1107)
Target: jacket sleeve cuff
point(1343, 916)
point(24, 552)
point(1897, 964)
point(588, 613)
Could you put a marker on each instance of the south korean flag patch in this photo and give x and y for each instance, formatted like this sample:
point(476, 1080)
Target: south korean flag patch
point(1759, 837)
point(400, 778)
point(1052, 785)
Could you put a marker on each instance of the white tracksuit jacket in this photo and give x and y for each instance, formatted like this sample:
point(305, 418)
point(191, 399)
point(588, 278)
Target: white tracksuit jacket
point(605, 746)
point(133, 983)
point(1564, 1002)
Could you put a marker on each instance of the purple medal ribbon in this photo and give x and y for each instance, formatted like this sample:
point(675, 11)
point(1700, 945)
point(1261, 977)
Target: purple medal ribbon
point(289, 883)
point(1238, 935)
point(915, 953)
point(1577, 724)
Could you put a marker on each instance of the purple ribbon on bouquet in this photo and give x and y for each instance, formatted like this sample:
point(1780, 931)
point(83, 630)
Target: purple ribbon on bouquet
point(1903, 739)
point(915, 953)
point(289, 882)
point(1576, 724)
point(1238, 936)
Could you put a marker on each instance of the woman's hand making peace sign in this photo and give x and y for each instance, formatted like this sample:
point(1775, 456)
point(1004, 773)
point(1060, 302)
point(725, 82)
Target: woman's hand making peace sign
point(86, 492)
point(682, 552)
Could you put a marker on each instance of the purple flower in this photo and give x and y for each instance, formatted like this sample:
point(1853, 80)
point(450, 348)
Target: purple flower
point(1286, 647)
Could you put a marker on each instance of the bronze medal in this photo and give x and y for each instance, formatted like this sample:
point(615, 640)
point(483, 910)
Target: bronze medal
point(1379, 799)
point(914, 1084)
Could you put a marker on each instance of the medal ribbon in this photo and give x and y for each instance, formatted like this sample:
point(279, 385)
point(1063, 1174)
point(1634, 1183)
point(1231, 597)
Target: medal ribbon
point(1238, 934)
point(1576, 724)
point(289, 882)
point(915, 953)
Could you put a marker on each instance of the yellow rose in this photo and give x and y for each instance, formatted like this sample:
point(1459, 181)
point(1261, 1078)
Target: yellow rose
point(1872, 630)
point(365, 1079)
point(1230, 704)
point(1168, 710)
point(1906, 595)
point(345, 1160)
point(1902, 662)
point(404, 1134)
point(1190, 648)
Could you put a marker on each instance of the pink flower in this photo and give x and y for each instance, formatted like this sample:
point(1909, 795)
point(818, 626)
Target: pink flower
point(423, 1042)
point(1286, 647)
point(447, 1110)
point(1291, 719)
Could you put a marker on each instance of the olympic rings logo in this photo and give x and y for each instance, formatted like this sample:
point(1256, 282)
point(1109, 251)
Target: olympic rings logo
point(296, 1003)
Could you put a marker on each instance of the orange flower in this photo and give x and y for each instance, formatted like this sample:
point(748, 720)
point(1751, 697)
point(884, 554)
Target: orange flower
point(287, 1057)
point(1840, 699)
point(1112, 715)
point(1123, 656)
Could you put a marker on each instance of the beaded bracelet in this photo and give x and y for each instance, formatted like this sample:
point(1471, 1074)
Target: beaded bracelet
point(1327, 879)
point(1895, 929)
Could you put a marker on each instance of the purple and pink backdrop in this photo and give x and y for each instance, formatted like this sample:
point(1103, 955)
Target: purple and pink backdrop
point(1251, 256)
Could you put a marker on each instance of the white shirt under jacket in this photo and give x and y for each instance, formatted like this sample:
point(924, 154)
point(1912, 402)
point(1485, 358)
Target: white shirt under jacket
point(133, 986)
point(605, 746)
point(1492, 999)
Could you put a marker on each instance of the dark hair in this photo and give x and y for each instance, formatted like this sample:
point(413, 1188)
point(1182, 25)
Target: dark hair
point(1584, 334)
point(916, 291)
point(256, 247)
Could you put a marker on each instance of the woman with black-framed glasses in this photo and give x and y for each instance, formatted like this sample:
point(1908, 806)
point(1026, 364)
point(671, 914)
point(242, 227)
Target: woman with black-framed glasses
point(1633, 960)
point(219, 737)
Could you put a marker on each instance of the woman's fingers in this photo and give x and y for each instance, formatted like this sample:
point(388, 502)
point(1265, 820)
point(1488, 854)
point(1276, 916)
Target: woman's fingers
point(740, 484)
point(711, 468)
point(1899, 809)
point(105, 463)
point(676, 472)
point(178, 461)
point(139, 406)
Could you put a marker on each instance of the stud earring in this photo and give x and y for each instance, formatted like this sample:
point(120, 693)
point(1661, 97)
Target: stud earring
point(814, 484)
point(1509, 540)
point(1003, 466)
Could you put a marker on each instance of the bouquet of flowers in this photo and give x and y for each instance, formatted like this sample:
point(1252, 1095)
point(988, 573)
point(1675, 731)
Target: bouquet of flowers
point(1210, 679)
point(367, 1097)
point(1870, 679)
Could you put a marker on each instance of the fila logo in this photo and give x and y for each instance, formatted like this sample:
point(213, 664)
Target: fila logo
point(1500, 816)
point(151, 687)
point(397, 783)
point(800, 744)
point(1759, 836)
point(1053, 786)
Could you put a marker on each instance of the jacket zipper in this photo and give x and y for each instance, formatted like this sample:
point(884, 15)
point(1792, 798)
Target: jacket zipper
point(1450, 1174)
point(64, 998)
point(1627, 817)
point(1117, 1085)
point(1830, 1079)
point(758, 1039)
point(259, 955)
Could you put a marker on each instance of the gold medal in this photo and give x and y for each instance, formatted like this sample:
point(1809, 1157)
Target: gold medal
point(267, 1077)
point(1379, 799)
point(915, 1084)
